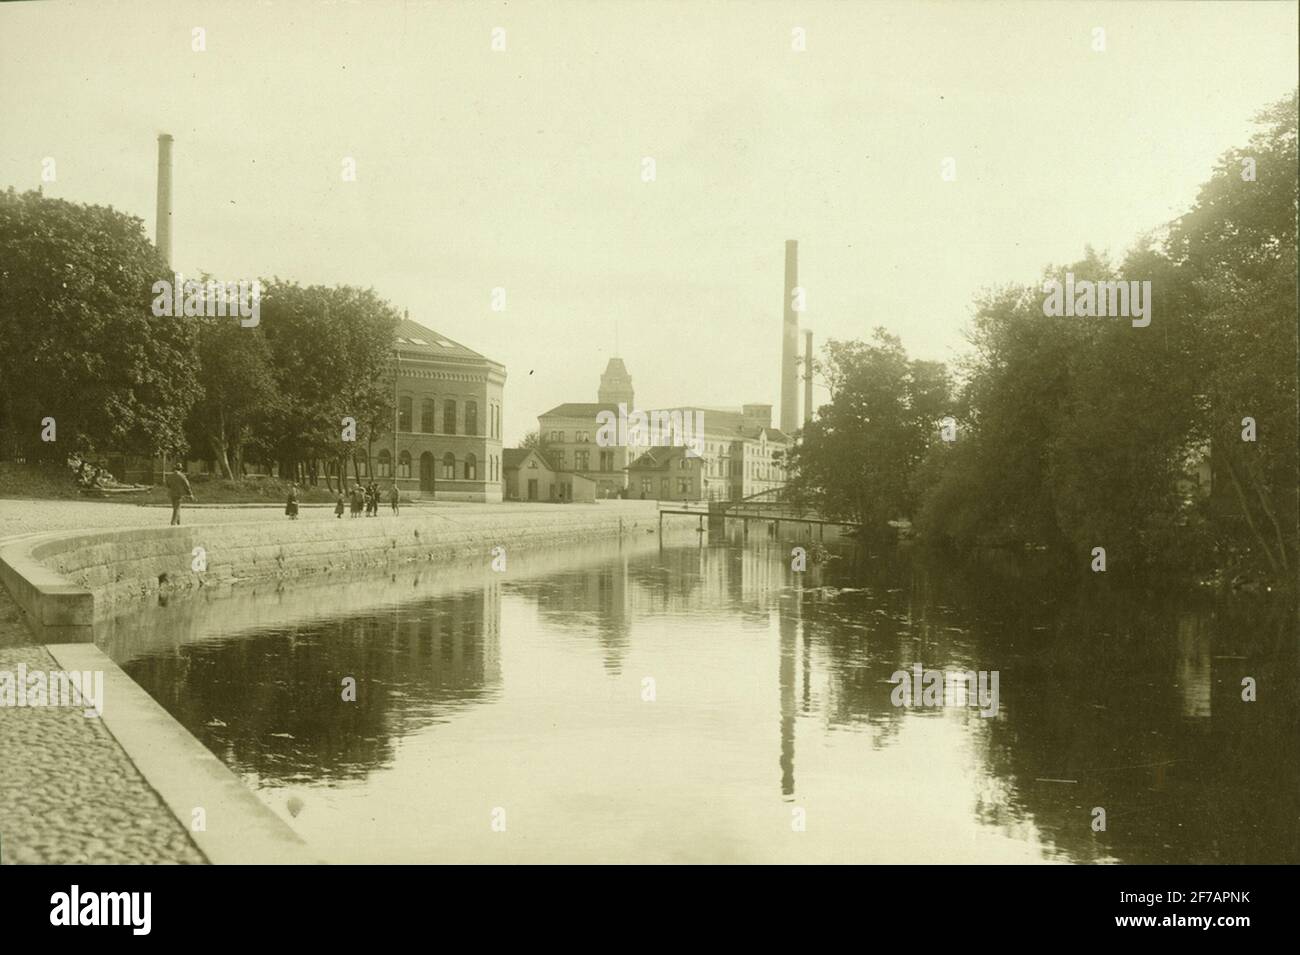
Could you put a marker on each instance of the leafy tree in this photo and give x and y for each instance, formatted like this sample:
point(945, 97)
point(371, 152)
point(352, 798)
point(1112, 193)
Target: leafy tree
point(238, 384)
point(78, 339)
point(332, 354)
point(1079, 432)
point(857, 458)
point(1237, 251)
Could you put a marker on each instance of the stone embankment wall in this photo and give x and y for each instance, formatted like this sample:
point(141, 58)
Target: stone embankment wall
point(64, 581)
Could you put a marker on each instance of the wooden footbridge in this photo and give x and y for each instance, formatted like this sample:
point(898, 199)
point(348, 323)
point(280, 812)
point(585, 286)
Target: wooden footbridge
point(767, 506)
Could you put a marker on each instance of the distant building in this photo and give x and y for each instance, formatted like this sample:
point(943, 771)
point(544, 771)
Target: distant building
point(740, 450)
point(446, 444)
point(530, 476)
point(667, 474)
point(568, 433)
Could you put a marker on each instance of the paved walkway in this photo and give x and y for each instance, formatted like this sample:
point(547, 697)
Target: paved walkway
point(30, 516)
point(68, 792)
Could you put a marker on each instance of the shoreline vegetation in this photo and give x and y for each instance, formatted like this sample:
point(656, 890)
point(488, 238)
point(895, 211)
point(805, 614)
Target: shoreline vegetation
point(1162, 451)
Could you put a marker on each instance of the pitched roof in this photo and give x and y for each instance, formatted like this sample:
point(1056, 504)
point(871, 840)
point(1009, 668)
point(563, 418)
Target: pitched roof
point(415, 339)
point(579, 409)
point(515, 457)
point(658, 458)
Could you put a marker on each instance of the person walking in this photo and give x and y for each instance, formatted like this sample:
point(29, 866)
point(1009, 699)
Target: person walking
point(338, 506)
point(178, 486)
point(394, 497)
point(291, 506)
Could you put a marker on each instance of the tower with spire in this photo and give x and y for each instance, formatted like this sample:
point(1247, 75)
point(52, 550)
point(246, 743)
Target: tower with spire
point(615, 384)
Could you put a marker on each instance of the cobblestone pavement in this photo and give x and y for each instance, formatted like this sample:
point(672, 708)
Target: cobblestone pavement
point(68, 792)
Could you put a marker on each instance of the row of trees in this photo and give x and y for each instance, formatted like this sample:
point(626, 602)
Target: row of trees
point(80, 344)
point(1074, 433)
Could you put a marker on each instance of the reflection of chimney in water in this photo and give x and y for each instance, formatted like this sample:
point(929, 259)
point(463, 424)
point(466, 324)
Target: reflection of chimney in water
point(787, 624)
point(163, 232)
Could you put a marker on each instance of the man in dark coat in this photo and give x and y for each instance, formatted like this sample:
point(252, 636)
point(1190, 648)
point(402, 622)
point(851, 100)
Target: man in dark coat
point(178, 486)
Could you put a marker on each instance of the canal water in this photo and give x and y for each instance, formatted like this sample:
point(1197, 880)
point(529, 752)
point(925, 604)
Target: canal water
point(703, 702)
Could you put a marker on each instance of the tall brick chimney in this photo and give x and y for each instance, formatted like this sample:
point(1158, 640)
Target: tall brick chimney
point(790, 343)
point(163, 233)
point(807, 378)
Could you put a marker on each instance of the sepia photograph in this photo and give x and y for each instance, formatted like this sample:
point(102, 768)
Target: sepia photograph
point(648, 432)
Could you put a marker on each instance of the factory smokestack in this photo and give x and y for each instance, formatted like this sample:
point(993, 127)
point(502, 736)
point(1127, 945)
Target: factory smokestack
point(163, 234)
point(807, 378)
point(790, 343)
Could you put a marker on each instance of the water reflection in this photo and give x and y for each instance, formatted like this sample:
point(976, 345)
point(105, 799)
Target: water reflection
point(771, 694)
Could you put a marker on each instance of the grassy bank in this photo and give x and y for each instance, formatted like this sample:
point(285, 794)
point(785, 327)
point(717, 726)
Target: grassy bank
point(53, 483)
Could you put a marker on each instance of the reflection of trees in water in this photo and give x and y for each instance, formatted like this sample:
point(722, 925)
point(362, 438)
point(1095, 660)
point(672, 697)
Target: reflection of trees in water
point(1123, 701)
point(279, 692)
point(593, 596)
point(1136, 699)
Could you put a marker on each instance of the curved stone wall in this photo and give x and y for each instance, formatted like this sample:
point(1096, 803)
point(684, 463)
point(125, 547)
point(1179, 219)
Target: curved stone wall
point(64, 581)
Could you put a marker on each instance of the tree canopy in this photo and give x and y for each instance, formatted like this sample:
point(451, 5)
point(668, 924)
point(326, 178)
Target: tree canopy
point(79, 342)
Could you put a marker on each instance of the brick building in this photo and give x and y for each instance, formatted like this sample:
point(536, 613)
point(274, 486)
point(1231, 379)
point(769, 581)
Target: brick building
point(447, 439)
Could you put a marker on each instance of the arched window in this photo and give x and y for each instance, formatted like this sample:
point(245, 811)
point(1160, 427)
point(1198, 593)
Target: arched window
point(385, 466)
point(428, 420)
point(404, 413)
point(449, 466)
point(404, 464)
point(449, 417)
point(471, 468)
point(471, 417)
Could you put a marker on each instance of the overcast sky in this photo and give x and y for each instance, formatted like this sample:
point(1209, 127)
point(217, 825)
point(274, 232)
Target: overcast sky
point(522, 169)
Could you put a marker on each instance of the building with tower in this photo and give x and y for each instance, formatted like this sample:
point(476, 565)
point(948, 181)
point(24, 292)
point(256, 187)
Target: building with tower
point(740, 451)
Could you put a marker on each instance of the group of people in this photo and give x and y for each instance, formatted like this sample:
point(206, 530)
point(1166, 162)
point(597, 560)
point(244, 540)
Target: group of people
point(362, 497)
point(86, 474)
point(366, 497)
